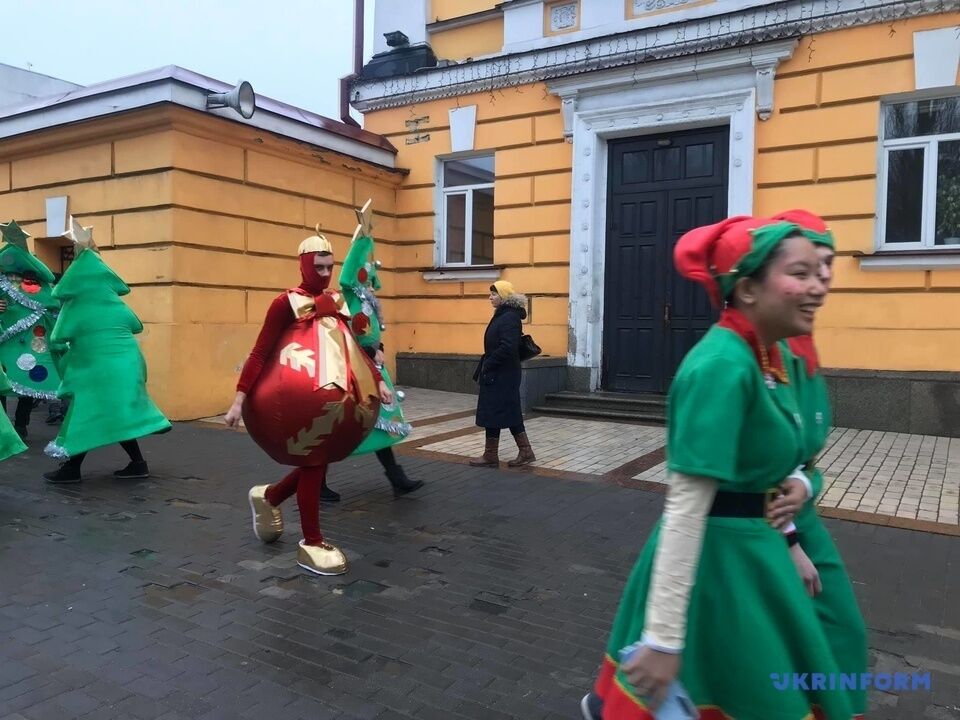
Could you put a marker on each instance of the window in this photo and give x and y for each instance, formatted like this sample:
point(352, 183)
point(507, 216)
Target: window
point(467, 224)
point(920, 171)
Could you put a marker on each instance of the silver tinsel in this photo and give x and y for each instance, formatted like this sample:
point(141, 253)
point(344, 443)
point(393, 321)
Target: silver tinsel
point(55, 451)
point(368, 297)
point(19, 326)
point(30, 392)
point(393, 428)
point(9, 288)
point(401, 396)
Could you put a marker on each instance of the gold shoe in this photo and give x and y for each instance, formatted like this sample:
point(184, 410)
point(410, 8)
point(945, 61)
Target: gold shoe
point(321, 559)
point(267, 519)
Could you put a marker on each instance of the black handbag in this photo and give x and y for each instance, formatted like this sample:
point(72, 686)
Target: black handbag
point(528, 348)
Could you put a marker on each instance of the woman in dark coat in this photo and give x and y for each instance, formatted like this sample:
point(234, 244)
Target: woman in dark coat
point(498, 373)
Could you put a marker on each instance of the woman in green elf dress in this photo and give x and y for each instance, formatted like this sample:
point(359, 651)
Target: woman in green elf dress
point(714, 585)
point(812, 548)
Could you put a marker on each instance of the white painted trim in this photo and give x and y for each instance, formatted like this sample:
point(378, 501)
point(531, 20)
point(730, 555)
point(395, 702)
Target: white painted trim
point(743, 28)
point(928, 260)
point(668, 97)
point(462, 275)
point(936, 58)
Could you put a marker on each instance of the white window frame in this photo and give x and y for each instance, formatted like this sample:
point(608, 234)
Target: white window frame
point(467, 191)
point(930, 144)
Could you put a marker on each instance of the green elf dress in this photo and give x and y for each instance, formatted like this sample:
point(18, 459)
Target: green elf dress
point(732, 603)
point(836, 605)
point(358, 283)
point(10, 442)
point(103, 371)
point(25, 325)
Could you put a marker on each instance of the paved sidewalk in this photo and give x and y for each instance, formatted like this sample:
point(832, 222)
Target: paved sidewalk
point(486, 595)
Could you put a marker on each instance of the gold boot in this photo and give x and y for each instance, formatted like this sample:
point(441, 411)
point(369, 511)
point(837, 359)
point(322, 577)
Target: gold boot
point(323, 559)
point(267, 519)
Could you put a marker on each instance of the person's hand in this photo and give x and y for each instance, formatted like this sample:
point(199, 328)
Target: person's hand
point(386, 397)
point(378, 358)
point(232, 418)
point(807, 570)
point(782, 509)
point(651, 672)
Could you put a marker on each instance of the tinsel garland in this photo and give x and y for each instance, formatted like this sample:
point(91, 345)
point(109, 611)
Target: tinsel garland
point(367, 297)
point(393, 428)
point(10, 289)
point(56, 451)
point(30, 392)
point(21, 325)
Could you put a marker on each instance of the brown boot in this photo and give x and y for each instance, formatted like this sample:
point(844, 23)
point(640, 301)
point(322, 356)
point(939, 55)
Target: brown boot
point(525, 456)
point(490, 457)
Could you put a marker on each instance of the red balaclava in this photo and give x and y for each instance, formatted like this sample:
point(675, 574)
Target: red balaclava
point(313, 283)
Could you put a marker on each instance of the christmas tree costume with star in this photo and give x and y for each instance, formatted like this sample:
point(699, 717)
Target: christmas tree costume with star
point(359, 281)
point(27, 318)
point(103, 371)
point(10, 442)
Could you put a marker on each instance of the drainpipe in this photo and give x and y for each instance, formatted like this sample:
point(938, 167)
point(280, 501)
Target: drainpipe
point(357, 64)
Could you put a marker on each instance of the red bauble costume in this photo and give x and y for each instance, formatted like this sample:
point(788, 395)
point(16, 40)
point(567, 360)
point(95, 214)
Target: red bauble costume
point(312, 393)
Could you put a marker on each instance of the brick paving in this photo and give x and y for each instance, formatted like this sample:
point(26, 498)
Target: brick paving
point(488, 594)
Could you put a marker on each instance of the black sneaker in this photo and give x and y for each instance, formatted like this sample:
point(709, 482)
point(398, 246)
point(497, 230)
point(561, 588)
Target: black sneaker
point(328, 495)
point(592, 707)
point(133, 471)
point(63, 475)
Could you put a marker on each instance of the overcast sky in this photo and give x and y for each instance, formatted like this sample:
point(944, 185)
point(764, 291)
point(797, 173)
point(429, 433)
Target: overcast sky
point(290, 50)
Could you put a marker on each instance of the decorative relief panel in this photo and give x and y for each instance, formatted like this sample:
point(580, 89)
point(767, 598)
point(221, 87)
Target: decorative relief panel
point(563, 17)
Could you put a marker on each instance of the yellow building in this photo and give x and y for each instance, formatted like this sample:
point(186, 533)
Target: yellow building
point(201, 212)
point(564, 145)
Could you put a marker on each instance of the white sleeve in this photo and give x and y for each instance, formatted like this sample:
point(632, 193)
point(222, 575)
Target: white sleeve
point(800, 475)
point(677, 557)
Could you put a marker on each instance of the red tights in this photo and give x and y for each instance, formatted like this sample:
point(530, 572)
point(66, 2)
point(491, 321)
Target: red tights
point(306, 482)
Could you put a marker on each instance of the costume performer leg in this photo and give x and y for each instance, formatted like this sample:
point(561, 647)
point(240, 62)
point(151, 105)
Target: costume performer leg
point(265, 503)
point(68, 472)
point(395, 474)
point(315, 555)
point(137, 467)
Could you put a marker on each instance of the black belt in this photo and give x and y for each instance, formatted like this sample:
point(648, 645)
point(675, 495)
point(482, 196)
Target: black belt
point(740, 505)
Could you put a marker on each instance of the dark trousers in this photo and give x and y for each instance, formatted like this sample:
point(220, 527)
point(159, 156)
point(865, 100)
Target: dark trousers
point(132, 448)
point(494, 433)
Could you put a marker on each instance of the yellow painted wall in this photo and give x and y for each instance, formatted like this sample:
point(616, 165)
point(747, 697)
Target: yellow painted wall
point(202, 219)
point(470, 41)
point(524, 130)
point(447, 9)
point(819, 151)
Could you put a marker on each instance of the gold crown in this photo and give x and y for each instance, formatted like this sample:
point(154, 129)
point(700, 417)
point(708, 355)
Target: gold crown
point(315, 243)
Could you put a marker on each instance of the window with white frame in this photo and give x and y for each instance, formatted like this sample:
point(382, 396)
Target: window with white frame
point(920, 174)
point(466, 237)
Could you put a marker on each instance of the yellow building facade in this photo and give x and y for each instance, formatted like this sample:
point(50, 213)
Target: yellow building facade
point(611, 127)
point(200, 213)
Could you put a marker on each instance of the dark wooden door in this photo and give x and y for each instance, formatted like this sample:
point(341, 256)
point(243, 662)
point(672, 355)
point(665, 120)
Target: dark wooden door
point(658, 188)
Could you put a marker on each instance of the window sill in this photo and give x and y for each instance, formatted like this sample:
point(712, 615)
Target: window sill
point(462, 274)
point(933, 259)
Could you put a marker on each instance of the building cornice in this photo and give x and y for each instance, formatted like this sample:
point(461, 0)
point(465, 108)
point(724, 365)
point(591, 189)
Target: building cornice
point(778, 21)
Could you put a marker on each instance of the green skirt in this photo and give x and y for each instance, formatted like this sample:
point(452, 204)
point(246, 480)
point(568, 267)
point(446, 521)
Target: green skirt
point(390, 429)
point(836, 606)
point(749, 623)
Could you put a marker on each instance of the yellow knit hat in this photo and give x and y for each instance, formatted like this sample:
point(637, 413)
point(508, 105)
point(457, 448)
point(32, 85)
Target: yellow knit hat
point(504, 289)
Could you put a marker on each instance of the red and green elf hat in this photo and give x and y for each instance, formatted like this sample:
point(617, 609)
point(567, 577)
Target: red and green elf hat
point(812, 226)
point(718, 255)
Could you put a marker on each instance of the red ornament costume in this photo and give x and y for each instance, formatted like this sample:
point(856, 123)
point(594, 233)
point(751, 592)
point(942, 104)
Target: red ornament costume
point(311, 398)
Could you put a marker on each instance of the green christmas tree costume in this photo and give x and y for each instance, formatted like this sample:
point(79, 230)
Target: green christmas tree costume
point(10, 442)
point(836, 605)
point(26, 324)
point(749, 616)
point(358, 283)
point(103, 371)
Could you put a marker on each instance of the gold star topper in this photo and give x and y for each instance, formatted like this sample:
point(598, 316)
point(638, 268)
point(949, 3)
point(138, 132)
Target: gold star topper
point(80, 236)
point(365, 218)
point(14, 234)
